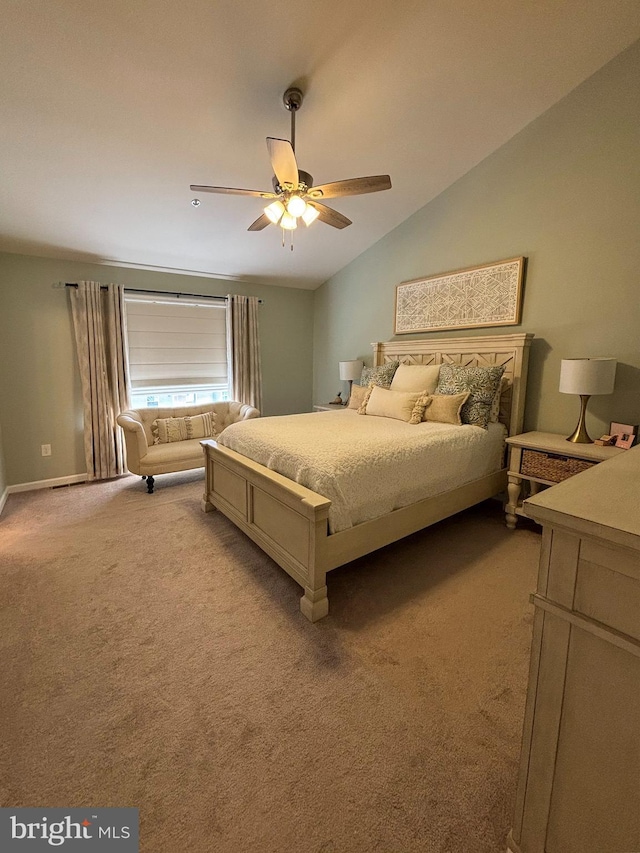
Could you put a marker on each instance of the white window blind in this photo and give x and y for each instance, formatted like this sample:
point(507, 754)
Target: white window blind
point(175, 341)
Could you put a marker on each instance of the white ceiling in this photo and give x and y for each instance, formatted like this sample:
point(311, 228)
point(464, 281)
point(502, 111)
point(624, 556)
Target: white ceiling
point(108, 111)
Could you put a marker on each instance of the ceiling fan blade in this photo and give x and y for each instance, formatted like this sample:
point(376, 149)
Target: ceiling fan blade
point(330, 216)
point(352, 186)
point(283, 161)
point(196, 188)
point(260, 223)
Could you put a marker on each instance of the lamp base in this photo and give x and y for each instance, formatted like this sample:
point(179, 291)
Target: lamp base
point(580, 434)
point(346, 402)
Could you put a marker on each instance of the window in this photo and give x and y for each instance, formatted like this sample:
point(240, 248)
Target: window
point(177, 350)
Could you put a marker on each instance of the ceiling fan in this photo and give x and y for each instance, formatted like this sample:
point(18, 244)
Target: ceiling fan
point(294, 196)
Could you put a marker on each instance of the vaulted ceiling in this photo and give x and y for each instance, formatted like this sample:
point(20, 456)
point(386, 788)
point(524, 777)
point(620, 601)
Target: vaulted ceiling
point(109, 111)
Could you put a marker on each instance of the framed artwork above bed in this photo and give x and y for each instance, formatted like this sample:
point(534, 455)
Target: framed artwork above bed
point(488, 295)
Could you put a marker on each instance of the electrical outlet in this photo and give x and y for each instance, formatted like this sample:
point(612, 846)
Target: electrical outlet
point(46, 449)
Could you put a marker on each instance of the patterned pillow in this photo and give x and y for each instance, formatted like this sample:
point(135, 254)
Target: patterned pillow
point(494, 416)
point(482, 384)
point(381, 376)
point(166, 430)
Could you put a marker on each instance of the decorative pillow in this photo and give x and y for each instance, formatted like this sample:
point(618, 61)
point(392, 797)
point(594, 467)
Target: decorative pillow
point(396, 404)
point(445, 408)
point(482, 384)
point(494, 414)
point(381, 376)
point(417, 415)
point(416, 377)
point(363, 405)
point(166, 430)
point(358, 393)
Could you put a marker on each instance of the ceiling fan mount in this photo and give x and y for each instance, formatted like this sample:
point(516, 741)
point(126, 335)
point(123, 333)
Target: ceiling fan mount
point(294, 195)
point(292, 99)
point(303, 178)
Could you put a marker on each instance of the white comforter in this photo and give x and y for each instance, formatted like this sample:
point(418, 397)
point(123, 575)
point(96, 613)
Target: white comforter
point(368, 466)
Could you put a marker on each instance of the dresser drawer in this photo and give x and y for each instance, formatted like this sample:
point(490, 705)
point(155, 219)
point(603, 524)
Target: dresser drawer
point(551, 466)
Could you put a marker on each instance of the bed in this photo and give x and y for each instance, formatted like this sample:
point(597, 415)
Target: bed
point(309, 533)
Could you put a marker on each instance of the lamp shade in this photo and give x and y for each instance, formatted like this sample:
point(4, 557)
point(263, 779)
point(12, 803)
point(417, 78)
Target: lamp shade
point(587, 375)
point(351, 370)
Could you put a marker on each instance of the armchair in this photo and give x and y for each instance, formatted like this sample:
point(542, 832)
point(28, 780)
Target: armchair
point(148, 459)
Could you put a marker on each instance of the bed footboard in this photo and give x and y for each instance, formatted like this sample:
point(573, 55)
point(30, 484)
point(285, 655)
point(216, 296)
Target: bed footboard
point(288, 521)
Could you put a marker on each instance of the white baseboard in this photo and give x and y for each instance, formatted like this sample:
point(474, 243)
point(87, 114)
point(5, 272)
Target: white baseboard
point(47, 484)
point(3, 499)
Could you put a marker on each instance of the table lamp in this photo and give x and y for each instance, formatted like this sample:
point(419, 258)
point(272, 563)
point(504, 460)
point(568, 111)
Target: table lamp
point(586, 376)
point(350, 370)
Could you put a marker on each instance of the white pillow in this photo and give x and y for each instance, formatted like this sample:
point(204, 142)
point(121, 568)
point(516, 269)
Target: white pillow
point(400, 405)
point(416, 377)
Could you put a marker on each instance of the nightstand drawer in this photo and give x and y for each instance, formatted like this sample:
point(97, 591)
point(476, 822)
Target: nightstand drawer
point(551, 466)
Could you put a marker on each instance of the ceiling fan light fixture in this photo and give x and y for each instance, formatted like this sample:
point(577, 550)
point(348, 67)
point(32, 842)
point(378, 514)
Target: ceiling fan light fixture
point(292, 186)
point(296, 206)
point(310, 215)
point(288, 222)
point(275, 211)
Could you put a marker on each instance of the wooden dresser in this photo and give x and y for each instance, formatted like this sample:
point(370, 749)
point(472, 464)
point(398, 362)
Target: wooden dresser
point(579, 780)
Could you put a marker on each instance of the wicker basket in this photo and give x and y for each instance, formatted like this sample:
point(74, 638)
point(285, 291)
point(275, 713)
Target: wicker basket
point(551, 466)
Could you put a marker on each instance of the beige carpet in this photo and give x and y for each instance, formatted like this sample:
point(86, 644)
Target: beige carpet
point(152, 656)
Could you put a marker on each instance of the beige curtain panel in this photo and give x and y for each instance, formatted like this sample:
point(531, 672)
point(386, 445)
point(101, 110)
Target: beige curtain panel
point(100, 332)
point(243, 342)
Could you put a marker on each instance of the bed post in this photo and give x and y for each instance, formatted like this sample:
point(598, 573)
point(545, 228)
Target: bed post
point(205, 503)
point(378, 359)
point(314, 604)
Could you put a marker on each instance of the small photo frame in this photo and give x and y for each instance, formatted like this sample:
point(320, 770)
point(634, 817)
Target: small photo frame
point(625, 440)
point(625, 434)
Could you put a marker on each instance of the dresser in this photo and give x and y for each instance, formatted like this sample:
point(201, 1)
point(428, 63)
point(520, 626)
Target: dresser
point(579, 778)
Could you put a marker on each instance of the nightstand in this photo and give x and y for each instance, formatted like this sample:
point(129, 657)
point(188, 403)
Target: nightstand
point(329, 407)
point(544, 459)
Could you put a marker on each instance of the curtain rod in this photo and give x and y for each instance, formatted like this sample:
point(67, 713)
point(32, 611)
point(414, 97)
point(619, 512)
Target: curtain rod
point(163, 292)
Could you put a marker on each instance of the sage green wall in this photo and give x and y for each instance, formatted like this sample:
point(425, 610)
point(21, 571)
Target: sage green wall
point(40, 398)
point(3, 479)
point(565, 192)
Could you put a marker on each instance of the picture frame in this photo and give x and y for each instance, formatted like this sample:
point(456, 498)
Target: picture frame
point(625, 440)
point(625, 434)
point(471, 298)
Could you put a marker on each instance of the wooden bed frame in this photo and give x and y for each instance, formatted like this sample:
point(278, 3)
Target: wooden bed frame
point(289, 522)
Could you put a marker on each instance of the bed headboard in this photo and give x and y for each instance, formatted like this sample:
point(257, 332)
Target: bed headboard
point(510, 350)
